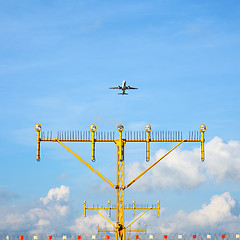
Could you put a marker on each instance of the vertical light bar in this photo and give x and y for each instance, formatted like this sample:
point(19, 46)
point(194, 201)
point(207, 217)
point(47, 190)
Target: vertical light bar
point(120, 128)
point(203, 129)
point(97, 229)
point(93, 147)
point(148, 129)
point(109, 208)
point(158, 202)
point(84, 203)
point(93, 129)
point(38, 128)
point(38, 145)
point(147, 146)
point(134, 202)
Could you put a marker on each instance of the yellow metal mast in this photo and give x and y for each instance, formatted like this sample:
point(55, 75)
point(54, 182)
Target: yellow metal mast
point(120, 186)
point(119, 228)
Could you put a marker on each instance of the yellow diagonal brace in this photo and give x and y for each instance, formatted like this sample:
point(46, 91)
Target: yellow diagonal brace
point(88, 165)
point(104, 217)
point(137, 218)
point(135, 179)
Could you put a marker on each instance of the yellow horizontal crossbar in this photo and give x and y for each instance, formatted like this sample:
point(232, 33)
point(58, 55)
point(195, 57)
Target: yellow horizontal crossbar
point(114, 140)
point(129, 208)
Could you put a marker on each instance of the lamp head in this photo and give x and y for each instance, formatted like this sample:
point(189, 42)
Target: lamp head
point(120, 127)
point(148, 128)
point(38, 127)
point(203, 128)
point(93, 128)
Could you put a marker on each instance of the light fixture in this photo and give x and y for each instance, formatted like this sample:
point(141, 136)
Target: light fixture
point(93, 127)
point(38, 127)
point(203, 128)
point(120, 127)
point(148, 128)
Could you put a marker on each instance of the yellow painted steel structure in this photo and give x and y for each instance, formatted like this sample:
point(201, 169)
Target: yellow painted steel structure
point(119, 228)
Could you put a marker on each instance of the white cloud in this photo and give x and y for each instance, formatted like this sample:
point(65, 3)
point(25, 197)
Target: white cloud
point(88, 225)
point(57, 194)
point(217, 216)
point(223, 159)
point(221, 214)
point(183, 168)
point(42, 222)
point(218, 210)
point(50, 215)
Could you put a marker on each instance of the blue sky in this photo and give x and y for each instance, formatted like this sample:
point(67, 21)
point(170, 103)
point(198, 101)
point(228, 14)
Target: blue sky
point(57, 61)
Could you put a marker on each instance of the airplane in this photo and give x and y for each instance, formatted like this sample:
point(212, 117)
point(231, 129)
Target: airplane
point(123, 88)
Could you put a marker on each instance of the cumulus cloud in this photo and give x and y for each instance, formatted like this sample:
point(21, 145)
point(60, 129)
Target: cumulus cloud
point(223, 159)
point(50, 215)
point(183, 168)
point(217, 216)
point(57, 194)
point(180, 169)
point(221, 214)
point(88, 225)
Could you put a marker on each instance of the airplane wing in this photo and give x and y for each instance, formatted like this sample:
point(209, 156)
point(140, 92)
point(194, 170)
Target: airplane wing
point(128, 87)
point(119, 87)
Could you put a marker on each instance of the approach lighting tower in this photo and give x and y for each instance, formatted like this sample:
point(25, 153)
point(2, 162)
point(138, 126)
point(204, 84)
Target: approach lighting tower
point(92, 136)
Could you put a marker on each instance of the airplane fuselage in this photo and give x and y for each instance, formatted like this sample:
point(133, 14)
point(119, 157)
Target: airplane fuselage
point(124, 87)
